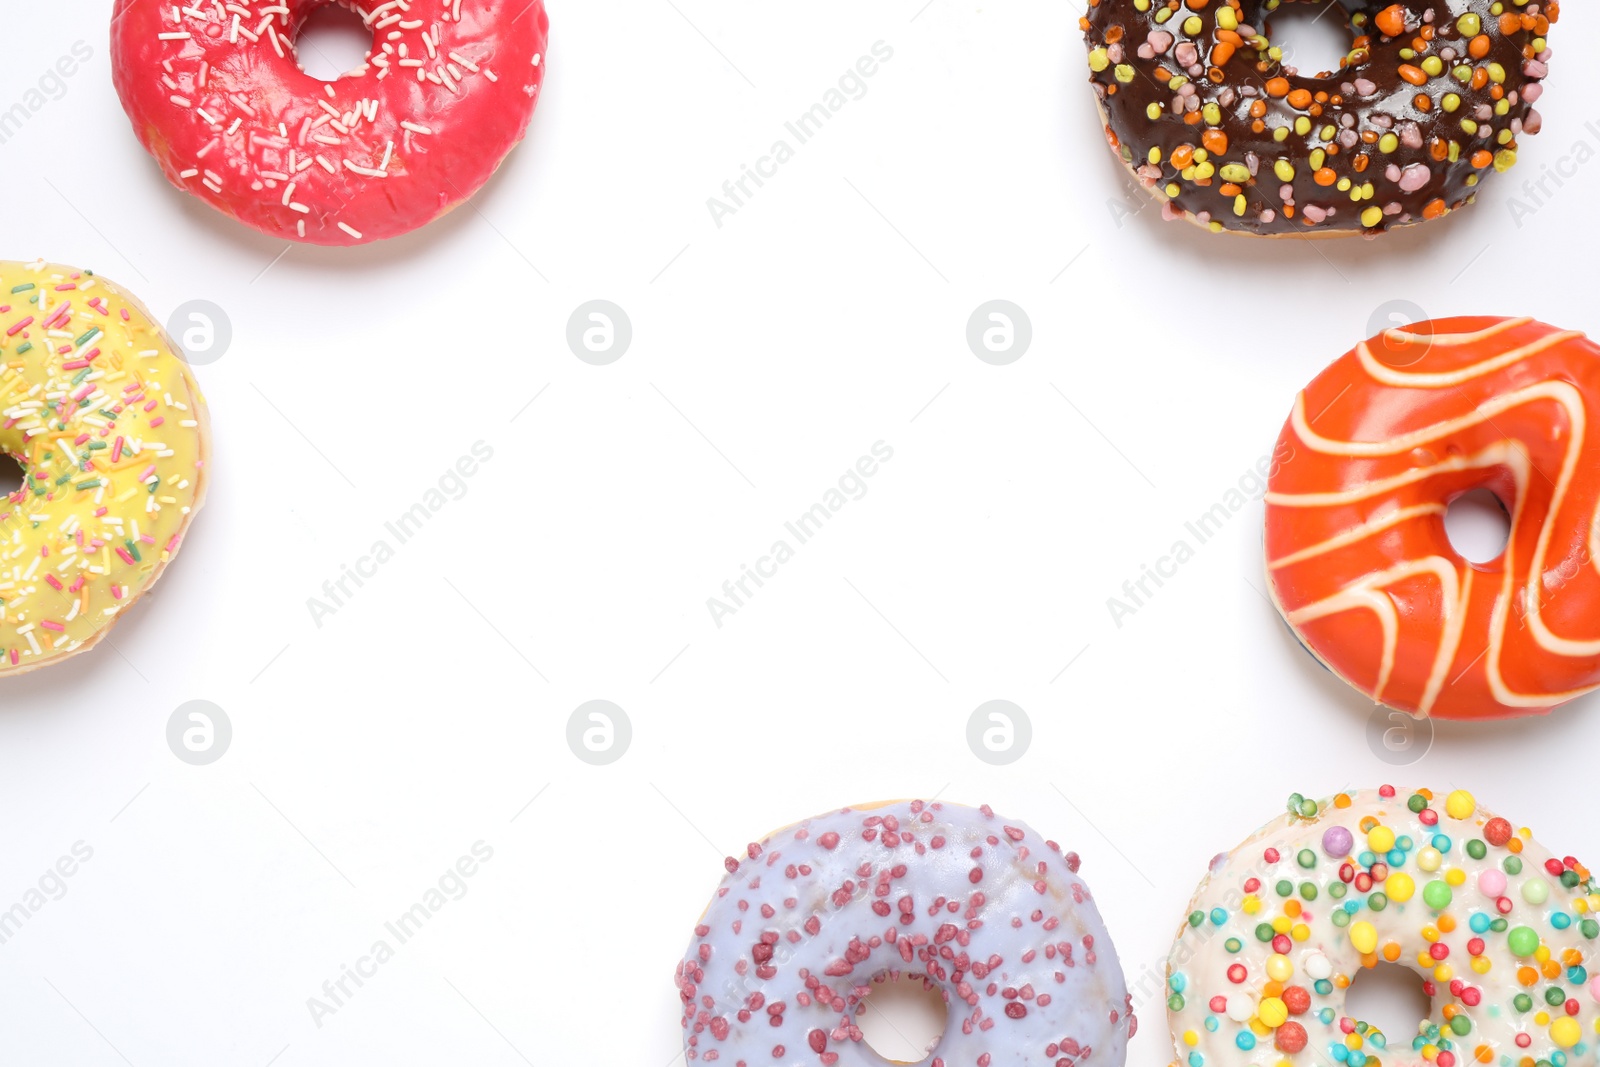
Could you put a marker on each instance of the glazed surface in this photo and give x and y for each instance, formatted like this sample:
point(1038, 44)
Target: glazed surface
point(1433, 95)
point(1358, 559)
point(993, 915)
point(110, 429)
point(1498, 928)
point(215, 94)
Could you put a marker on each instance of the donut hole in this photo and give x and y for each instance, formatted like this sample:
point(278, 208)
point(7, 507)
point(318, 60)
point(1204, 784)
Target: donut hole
point(332, 42)
point(1312, 37)
point(1391, 998)
point(902, 1017)
point(1478, 526)
point(11, 475)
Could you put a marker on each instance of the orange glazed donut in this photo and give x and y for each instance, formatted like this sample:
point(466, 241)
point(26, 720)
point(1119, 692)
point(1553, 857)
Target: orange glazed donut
point(1357, 555)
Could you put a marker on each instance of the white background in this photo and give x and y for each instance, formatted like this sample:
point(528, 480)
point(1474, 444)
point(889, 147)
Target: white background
point(768, 355)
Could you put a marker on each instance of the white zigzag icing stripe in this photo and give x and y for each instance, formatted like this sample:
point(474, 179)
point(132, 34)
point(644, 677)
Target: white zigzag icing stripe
point(1367, 593)
point(1357, 533)
point(1391, 376)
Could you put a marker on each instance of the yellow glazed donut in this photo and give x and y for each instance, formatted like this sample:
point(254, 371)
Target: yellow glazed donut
point(112, 435)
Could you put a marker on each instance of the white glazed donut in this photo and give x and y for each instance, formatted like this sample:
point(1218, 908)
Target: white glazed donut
point(1500, 930)
point(990, 913)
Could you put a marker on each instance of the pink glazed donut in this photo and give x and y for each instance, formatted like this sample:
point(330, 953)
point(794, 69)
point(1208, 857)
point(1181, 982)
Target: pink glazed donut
point(216, 95)
point(986, 911)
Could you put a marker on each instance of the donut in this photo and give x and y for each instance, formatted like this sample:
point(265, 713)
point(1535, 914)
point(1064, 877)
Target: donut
point(1358, 560)
point(112, 436)
point(215, 94)
point(985, 910)
point(1433, 95)
point(1498, 928)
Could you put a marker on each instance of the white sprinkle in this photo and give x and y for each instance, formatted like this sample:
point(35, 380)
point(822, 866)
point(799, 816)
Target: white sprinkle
point(350, 230)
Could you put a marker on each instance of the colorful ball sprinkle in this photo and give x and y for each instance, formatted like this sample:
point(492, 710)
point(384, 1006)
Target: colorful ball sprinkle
point(1499, 929)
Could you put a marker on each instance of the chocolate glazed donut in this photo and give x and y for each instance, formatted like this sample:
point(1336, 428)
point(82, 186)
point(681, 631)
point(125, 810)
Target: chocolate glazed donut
point(1432, 96)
